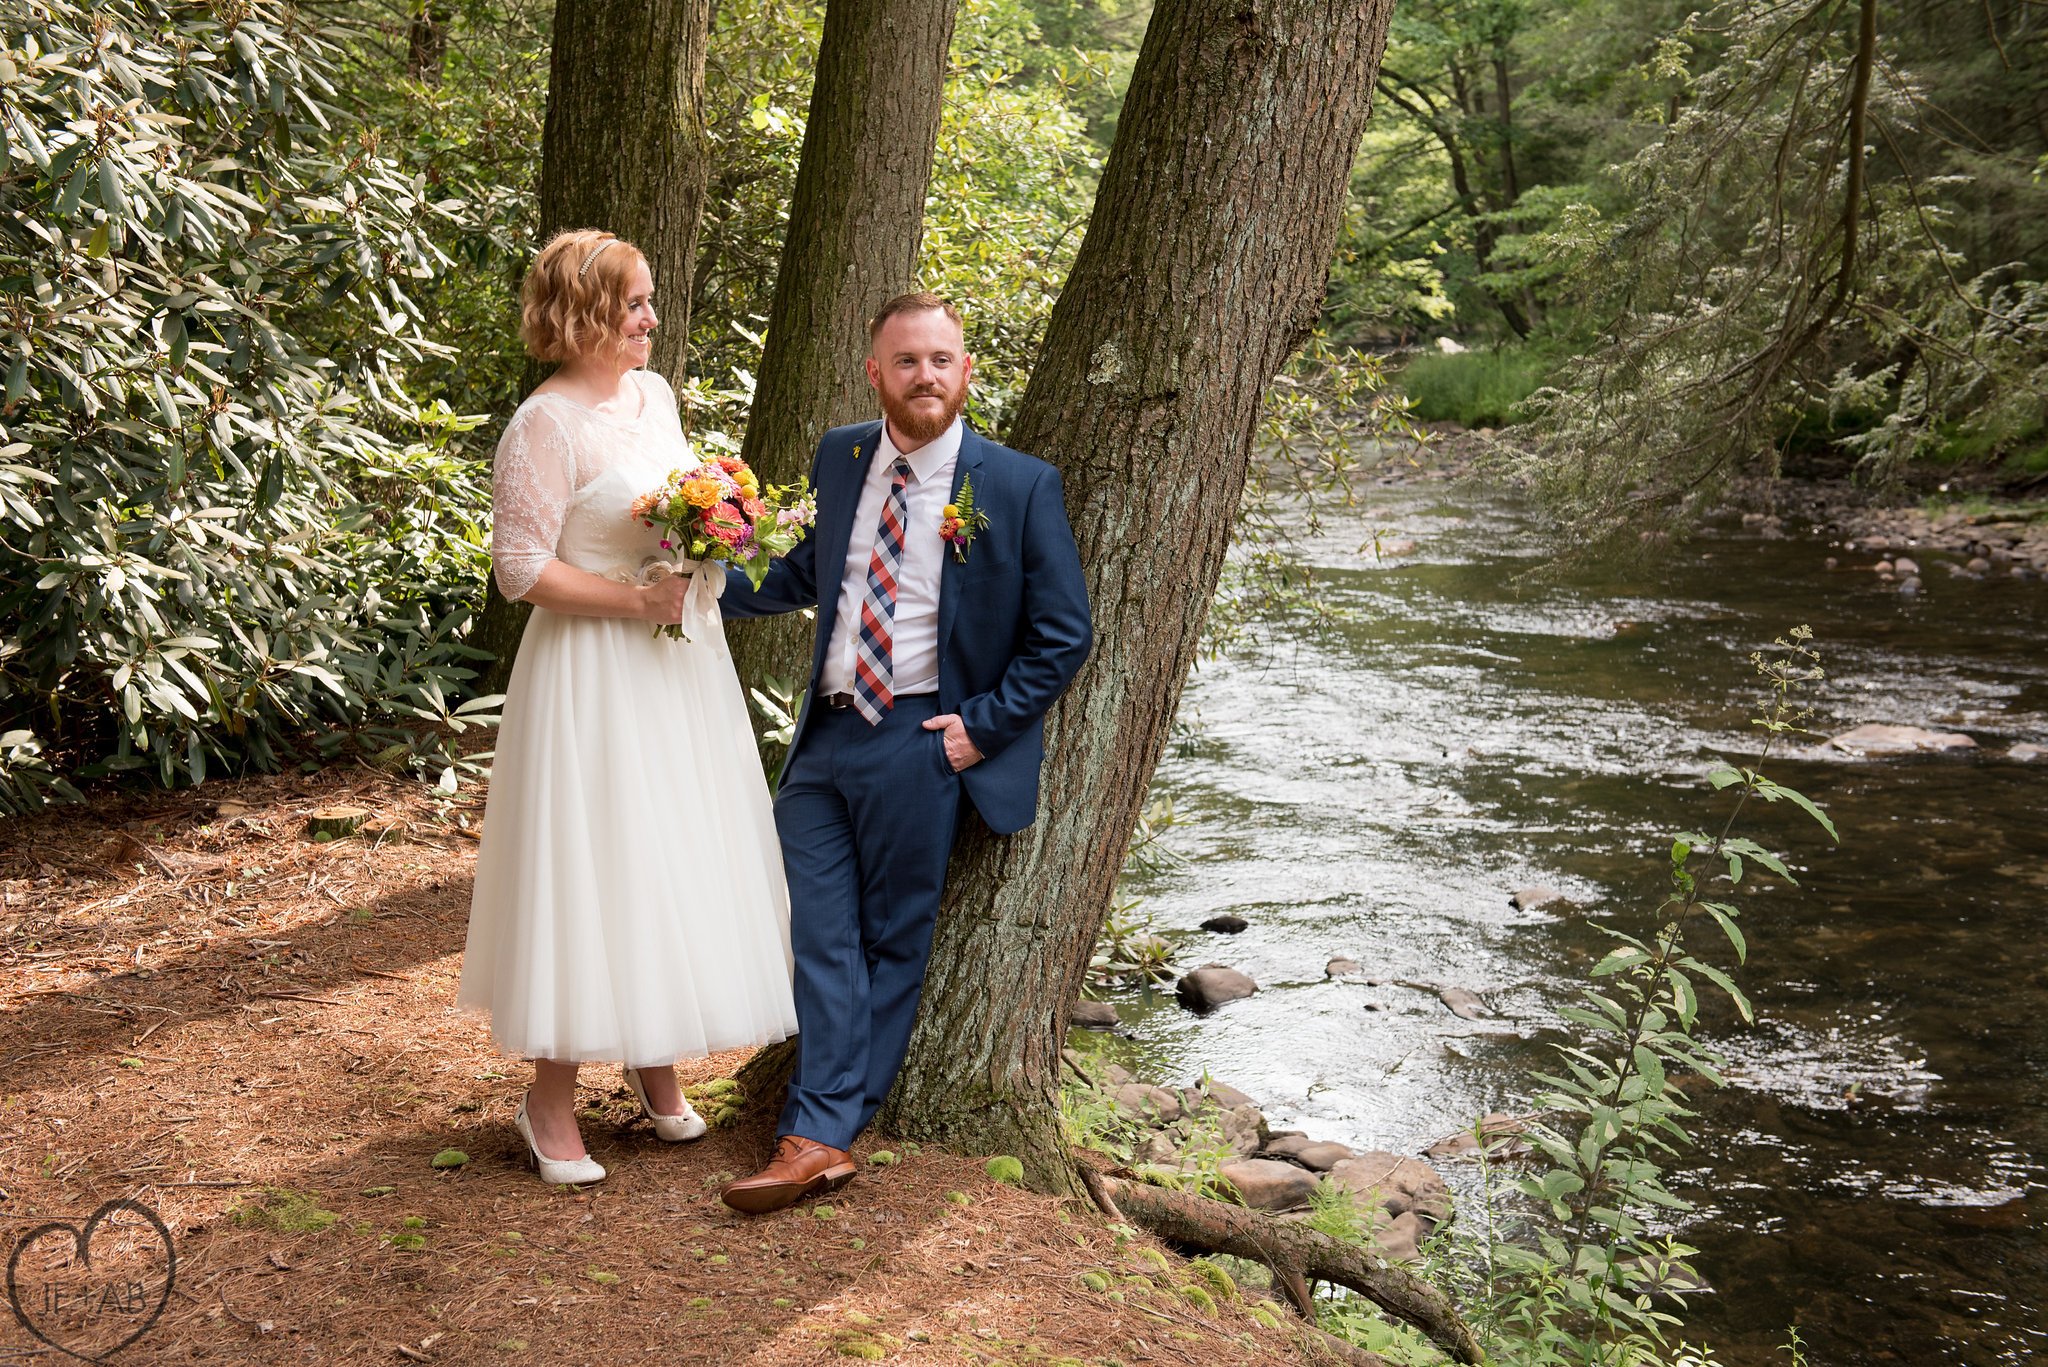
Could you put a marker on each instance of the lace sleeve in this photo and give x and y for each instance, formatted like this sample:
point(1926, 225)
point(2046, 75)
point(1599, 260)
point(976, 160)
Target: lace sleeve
point(532, 479)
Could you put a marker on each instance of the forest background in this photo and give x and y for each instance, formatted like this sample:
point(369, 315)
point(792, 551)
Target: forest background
point(1647, 226)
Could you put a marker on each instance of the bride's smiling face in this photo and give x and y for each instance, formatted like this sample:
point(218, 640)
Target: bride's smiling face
point(636, 341)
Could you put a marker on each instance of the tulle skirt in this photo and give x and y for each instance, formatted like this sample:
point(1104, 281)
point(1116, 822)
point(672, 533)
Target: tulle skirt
point(629, 900)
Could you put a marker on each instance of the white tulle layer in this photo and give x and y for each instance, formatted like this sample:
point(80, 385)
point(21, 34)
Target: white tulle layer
point(629, 897)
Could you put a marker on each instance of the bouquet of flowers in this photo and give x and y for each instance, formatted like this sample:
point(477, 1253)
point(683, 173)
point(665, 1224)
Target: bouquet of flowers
point(720, 511)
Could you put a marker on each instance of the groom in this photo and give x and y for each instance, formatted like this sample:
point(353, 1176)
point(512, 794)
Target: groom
point(951, 612)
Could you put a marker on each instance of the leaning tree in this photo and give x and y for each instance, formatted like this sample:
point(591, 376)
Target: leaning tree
point(624, 149)
point(1203, 268)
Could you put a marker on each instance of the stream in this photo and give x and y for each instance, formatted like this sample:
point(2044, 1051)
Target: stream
point(1876, 1171)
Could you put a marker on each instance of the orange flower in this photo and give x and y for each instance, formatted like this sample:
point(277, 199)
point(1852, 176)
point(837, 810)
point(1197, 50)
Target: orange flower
point(701, 493)
point(732, 465)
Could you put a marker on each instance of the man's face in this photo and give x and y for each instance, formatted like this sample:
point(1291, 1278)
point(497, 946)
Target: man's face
point(920, 370)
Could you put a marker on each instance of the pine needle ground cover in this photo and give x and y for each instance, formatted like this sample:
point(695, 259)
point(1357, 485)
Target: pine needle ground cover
point(251, 1031)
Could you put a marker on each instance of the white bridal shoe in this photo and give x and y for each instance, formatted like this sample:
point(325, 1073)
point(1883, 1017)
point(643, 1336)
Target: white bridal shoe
point(558, 1172)
point(673, 1128)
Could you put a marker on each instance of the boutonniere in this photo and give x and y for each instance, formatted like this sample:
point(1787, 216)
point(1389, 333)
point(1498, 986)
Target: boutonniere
point(960, 520)
point(856, 450)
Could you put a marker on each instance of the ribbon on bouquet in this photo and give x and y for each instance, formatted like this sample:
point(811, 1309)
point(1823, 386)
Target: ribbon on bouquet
point(700, 603)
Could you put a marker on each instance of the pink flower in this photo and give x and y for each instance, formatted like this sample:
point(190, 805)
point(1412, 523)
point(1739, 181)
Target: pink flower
point(667, 544)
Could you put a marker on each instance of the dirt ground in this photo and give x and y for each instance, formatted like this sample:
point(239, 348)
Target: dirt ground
point(252, 1034)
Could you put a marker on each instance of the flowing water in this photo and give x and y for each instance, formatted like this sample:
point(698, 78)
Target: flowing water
point(1877, 1170)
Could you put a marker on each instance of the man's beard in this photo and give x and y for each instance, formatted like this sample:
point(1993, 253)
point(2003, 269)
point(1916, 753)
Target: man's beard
point(914, 423)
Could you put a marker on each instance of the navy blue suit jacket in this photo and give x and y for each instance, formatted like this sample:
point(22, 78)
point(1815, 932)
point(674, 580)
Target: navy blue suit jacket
point(1013, 617)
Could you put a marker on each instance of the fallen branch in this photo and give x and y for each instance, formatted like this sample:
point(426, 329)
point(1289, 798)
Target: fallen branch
point(1294, 1252)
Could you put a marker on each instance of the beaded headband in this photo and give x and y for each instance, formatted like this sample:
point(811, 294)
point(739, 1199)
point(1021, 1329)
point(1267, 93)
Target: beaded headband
point(595, 252)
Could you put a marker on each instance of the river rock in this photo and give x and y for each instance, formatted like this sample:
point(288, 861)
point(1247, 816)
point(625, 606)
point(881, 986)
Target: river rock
point(1883, 567)
point(1464, 1004)
point(1266, 1184)
point(1211, 985)
point(1156, 1104)
point(1161, 1147)
point(1910, 585)
point(1905, 565)
point(1093, 1015)
point(2026, 752)
point(1876, 738)
point(1495, 1127)
point(1529, 899)
point(1400, 1239)
point(1244, 1130)
point(1392, 550)
point(1341, 967)
point(1324, 1155)
point(1211, 1092)
point(1395, 1185)
point(1978, 565)
point(1226, 925)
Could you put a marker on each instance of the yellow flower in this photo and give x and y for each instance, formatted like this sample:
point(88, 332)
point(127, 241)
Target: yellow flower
point(951, 510)
point(701, 493)
point(745, 479)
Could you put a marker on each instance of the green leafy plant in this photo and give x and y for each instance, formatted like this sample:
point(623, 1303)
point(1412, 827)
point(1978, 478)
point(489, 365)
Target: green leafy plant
point(219, 534)
point(1581, 1275)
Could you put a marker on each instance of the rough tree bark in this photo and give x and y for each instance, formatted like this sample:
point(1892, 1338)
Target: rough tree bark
point(856, 225)
point(1204, 267)
point(624, 149)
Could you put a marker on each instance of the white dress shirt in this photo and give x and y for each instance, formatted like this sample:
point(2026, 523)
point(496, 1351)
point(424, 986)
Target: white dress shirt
point(914, 656)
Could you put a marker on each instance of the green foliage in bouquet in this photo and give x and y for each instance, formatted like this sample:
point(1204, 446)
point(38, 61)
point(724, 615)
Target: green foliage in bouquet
point(218, 543)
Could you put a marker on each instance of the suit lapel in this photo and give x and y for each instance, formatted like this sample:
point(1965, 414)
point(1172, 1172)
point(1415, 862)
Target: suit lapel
point(953, 569)
point(835, 531)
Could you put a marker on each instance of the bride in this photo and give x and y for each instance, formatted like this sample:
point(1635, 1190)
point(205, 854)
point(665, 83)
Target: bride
point(629, 898)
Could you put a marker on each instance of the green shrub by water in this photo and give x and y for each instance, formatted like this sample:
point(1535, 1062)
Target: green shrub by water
point(1476, 388)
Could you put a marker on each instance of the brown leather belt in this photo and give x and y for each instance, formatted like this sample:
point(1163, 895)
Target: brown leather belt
point(839, 702)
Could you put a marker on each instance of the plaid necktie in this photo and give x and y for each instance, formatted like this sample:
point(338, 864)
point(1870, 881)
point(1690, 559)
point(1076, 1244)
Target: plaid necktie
point(874, 673)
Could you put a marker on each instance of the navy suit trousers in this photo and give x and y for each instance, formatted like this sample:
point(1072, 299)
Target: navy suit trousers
point(867, 816)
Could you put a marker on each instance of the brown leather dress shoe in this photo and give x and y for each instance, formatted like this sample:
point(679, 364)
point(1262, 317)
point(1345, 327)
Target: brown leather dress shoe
point(801, 1167)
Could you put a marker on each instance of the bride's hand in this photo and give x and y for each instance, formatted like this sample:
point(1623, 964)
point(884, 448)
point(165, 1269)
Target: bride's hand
point(662, 601)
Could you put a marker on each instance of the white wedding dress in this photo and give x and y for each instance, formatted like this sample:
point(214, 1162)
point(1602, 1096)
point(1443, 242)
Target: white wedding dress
point(629, 898)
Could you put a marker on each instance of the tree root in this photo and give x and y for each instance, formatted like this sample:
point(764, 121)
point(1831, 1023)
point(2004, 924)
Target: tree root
point(1295, 1253)
point(1329, 1347)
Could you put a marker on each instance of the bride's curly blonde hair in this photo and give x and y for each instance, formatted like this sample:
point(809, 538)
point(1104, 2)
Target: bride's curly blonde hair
point(574, 298)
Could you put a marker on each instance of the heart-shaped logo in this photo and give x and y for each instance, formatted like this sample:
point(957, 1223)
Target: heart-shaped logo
point(77, 1306)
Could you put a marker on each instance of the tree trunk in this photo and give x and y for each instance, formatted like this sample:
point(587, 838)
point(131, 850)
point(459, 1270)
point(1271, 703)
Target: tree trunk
point(625, 150)
point(856, 225)
point(426, 41)
point(1204, 267)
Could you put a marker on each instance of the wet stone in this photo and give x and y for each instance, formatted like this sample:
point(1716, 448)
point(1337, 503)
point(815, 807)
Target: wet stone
point(1226, 925)
point(1211, 985)
point(1267, 1184)
point(1464, 1003)
point(1093, 1015)
point(1877, 738)
point(1394, 1184)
